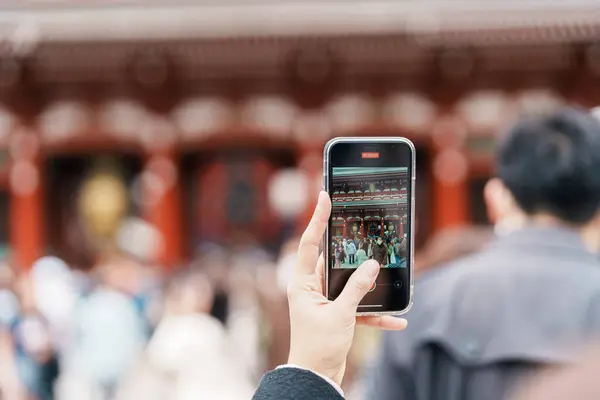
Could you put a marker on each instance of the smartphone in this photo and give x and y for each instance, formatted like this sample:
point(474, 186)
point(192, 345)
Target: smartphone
point(371, 182)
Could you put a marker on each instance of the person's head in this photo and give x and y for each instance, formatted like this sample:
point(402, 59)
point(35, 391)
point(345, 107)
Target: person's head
point(189, 292)
point(547, 171)
point(379, 241)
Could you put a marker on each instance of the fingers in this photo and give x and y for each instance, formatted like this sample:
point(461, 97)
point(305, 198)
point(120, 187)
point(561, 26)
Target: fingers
point(308, 250)
point(358, 285)
point(387, 322)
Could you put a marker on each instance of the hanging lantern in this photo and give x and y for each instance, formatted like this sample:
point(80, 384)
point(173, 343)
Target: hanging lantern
point(64, 120)
point(201, 117)
point(288, 192)
point(270, 114)
point(103, 201)
point(410, 111)
point(351, 112)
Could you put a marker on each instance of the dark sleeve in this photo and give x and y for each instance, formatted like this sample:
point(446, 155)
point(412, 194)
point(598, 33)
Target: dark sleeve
point(294, 384)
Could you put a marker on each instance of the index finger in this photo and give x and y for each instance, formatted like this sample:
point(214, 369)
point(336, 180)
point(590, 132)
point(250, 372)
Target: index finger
point(308, 250)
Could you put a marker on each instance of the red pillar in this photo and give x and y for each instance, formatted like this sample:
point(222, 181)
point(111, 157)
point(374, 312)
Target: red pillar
point(362, 228)
point(344, 232)
point(26, 202)
point(450, 171)
point(382, 226)
point(164, 205)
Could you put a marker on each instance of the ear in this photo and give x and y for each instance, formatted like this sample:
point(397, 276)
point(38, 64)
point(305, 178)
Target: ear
point(591, 234)
point(496, 201)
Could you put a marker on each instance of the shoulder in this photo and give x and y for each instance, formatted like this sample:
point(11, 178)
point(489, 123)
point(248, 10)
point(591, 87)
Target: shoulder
point(450, 272)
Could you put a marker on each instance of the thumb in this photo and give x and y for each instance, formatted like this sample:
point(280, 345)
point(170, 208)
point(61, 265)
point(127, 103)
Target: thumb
point(359, 284)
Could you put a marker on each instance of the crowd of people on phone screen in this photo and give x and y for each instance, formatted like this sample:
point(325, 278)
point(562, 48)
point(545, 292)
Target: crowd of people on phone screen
point(389, 251)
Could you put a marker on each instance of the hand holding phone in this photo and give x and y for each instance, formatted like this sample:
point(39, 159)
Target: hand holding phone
point(321, 330)
point(371, 185)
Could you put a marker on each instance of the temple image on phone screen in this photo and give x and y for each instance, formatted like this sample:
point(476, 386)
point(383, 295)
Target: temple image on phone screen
point(369, 216)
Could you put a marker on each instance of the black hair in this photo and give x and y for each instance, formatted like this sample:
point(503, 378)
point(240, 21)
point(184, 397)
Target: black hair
point(551, 164)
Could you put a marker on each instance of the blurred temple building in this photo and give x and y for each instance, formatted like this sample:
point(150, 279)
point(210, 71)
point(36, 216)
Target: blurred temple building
point(197, 107)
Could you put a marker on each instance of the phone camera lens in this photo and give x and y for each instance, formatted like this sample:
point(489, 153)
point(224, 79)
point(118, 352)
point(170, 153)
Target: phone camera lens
point(398, 284)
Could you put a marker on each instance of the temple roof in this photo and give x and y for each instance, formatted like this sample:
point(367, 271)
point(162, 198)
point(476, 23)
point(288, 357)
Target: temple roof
point(435, 21)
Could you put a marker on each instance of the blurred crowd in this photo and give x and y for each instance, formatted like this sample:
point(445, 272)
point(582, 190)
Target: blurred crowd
point(131, 329)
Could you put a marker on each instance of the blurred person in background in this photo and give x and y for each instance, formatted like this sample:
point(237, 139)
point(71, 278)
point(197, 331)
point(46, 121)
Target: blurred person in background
point(55, 294)
point(139, 245)
point(111, 319)
point(273, 303)
point(231, 272)
point(9, 303)
point(214, 261)
point(480, 324)
point(247, 322)
point(110, 334)
point(446, 246)
point(190, 355)
point(36, 358)
point(11, 387)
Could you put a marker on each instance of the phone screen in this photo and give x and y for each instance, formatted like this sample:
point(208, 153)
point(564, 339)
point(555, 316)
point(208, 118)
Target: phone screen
point(370, 184)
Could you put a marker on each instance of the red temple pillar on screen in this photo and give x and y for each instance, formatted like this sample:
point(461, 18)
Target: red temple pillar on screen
point(382, 226)
point(362, 228)
point(344, 231)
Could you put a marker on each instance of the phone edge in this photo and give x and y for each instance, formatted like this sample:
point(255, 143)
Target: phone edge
point(396, 139)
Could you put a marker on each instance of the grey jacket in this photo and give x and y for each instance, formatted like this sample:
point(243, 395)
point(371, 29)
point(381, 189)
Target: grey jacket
point(481, 324)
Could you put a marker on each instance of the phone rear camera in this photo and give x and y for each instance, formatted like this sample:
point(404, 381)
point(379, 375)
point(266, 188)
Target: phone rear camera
point(397, 284)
